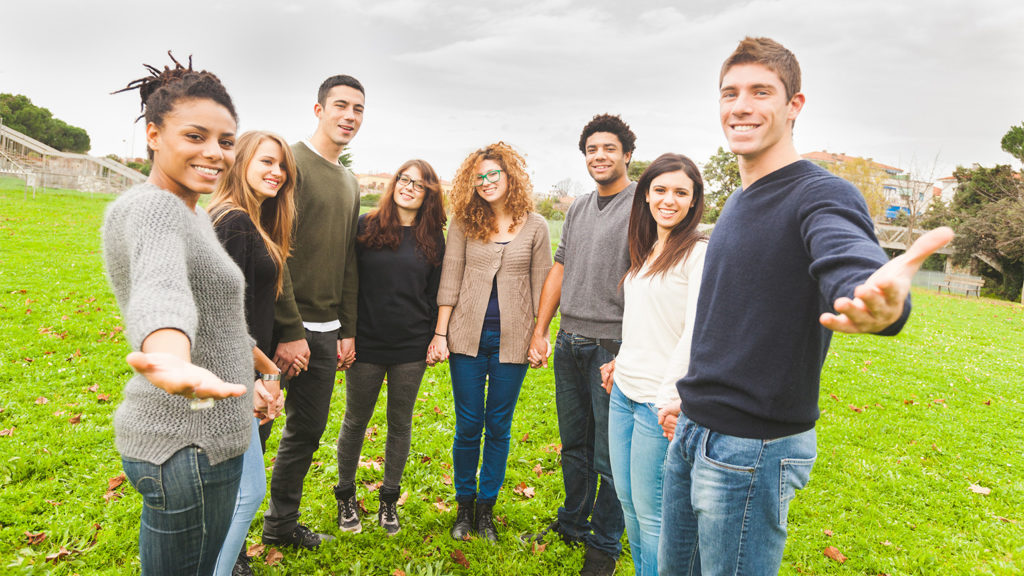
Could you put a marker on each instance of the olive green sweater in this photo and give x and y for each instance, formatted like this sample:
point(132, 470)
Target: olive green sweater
point(322, 279)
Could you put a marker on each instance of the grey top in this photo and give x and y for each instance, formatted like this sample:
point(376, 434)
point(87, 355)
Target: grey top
point(594, 250)
point(168, 270)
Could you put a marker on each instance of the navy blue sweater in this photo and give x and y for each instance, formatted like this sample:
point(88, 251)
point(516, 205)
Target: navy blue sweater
point(783, 250)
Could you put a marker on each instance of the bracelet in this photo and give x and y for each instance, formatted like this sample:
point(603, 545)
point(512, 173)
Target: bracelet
point(270, 377)
point(441, 335)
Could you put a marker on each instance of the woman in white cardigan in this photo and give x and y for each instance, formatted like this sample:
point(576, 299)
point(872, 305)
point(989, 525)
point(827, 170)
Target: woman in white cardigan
point(666, 260)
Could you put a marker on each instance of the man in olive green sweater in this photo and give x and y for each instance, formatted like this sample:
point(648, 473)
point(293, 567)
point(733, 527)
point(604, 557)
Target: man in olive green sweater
point(315, 315)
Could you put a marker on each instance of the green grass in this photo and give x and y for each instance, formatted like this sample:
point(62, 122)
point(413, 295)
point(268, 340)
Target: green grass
point(940, 411)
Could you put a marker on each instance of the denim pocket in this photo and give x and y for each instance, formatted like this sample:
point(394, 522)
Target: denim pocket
point(793, 475)
point(146, 477)
point(730, 452)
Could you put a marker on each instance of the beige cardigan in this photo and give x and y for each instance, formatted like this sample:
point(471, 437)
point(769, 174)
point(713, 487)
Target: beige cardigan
point(469, 269)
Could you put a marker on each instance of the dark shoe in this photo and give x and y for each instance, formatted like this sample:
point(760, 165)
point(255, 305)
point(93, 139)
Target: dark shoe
point(387, 517)
point(597, 563)
point(300, 537)
point(241, 567)
point(555, 528)
point(463, 527)
point(348, 515)
point(485, 521)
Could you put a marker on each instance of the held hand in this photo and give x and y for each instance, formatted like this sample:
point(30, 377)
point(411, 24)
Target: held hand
point(437, 351)
point(292, 357)
point(668, 417)
point(878, 302)
point(267, 399)
point(540, 349)
point(346, 353)
point(176, 376)
point(607, 376)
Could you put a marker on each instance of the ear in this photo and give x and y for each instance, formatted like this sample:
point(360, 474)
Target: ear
point(153, 136)
point(647, 196)
point(318, 110)
point(628, 157)
point(796, 104)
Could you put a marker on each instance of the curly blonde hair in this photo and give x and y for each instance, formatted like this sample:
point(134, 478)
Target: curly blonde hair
point(472, 211)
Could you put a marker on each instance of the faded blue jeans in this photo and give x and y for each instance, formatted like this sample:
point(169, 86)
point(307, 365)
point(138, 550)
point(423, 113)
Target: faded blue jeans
point(186, 510)
point(486, 392)
point(637, 450)
point(591, 511)
point(726, 500)
point(251, 490)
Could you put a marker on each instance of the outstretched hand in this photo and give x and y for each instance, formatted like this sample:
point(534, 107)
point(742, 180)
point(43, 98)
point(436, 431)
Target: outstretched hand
point(176, 376)
point(878, 302)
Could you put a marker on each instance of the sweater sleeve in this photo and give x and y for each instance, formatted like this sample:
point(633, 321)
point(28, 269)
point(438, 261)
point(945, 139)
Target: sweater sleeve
point(540, 262)
point(349, 306)
point(454, 266)
point(563, 240)
point(840, 240)
point(160, 295)
point(679, 361)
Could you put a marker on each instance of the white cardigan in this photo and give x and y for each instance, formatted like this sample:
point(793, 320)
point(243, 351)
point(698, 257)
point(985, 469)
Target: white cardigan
point(657, 328)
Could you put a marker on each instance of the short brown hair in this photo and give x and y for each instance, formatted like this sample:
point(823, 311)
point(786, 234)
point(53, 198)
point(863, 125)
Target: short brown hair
point(771, 55)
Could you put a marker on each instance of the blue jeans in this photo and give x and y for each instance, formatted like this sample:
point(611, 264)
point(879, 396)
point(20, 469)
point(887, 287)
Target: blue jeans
point(251, 490)
point(637, 450)
point(726, 500)
point(186, 510)
point(590, 514)
point(476, 410)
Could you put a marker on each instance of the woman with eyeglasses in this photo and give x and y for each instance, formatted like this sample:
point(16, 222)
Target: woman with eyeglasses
point(498, 254)
point(399, 249)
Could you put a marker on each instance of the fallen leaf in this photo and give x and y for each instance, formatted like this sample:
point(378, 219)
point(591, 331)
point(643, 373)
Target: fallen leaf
point(446, 479)
point(116, 481)
point(886, 543)
point(980, 490)
point(35, 538)
point(53, 503)
point(525, 437)
point(274, 557)
point(370, 432)
point(41, 400)
point(112, 495)
point(459, 558)
point(59, 555)
point(828, 532)
point(103, 397)
point(834, 397)
point(856, 408)
point(362, 506)
point(403, 498)
point(437, 410)
point(538, 548)
point(834, 553)
point(523, 490)
point(442, 506)
point(538, 470)
point(398, 572)
point(94, 388)
point(255, 550)
point(425, 459)
point(75, 419)
point(1003, 519)
point(939, 401)
point(7, 431)
point(373, 486)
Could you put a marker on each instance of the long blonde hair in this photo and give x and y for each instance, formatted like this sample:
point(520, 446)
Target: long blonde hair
point(272, 217)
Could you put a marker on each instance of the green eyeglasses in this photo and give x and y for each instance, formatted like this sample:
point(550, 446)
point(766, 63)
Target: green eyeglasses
point(493, 176)
point(404, 181)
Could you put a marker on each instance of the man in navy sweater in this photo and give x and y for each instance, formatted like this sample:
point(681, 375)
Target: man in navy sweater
point(793, 257)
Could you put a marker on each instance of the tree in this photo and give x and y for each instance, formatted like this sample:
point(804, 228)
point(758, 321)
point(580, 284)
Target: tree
point(721, 178)
point(636, 168)
point(1013, 142)
point(567, 187)
point(19, 113)
point(863, 174)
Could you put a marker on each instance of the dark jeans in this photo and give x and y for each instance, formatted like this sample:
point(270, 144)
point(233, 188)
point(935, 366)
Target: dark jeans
point(186, 510)
point(362, 388)
point(591, 512)
point(307, 406)
point(476, 411)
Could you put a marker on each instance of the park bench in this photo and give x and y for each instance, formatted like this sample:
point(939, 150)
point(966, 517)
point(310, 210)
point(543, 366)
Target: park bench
point(964, 282)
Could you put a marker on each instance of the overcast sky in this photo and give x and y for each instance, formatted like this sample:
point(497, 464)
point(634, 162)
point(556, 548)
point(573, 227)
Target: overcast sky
point(924, 85)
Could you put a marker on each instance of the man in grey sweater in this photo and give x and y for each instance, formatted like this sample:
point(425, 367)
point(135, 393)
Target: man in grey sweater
point(592, 256)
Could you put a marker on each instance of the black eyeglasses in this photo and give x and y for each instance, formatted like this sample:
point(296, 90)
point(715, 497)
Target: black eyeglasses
point(417, 185)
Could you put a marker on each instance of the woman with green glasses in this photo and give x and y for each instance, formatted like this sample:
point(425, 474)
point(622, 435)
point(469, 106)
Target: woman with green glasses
point(399, 248)
point(497, 257)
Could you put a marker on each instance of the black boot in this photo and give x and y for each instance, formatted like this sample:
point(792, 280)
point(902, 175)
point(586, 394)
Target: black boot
point(463, 527)
point(485, 521)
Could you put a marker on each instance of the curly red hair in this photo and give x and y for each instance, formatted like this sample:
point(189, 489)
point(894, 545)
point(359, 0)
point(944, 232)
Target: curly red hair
point(472, 211)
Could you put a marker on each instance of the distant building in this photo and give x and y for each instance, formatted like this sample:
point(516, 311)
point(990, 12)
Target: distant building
point(377, 182)
point(901, 193)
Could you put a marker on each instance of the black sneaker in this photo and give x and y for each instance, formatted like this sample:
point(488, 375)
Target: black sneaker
point(241, 567)
point(597, 563)
point(463, 526)
point(485, 521)
point(387, 517)
point(348, 515)
point(300, 537)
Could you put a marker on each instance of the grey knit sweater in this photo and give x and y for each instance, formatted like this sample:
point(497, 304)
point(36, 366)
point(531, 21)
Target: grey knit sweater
point(168, 270)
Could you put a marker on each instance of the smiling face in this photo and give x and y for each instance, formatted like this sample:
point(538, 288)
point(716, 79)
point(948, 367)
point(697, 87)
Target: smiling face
point(670, 198)
point(755, 113)
point(606, 161)
point(491, 192)
point(266, 172)
point(192, 148)
point(341, 115)
point(409, 190)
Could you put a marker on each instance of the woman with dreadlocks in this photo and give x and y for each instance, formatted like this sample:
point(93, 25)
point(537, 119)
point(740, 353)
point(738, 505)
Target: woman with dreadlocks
point(184, 422)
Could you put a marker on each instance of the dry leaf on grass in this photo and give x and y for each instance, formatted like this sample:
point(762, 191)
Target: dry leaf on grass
point(459, 558)
point(58, 555)
point(42, 400)
point(446, 479)
point(980, 490)
point(35, 538)
point(403, 498)
point(538, 470)
point(523, 490)
point(75, 419)
point(834, 553)
point(116, 481)
point(398, 572)
point(274, 557)
point(538, 548)
point(255, 550)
